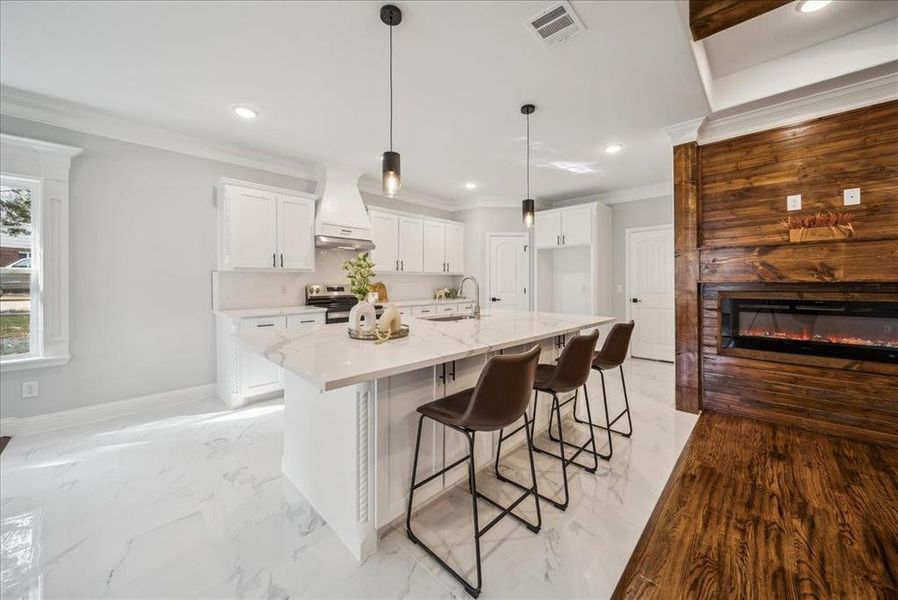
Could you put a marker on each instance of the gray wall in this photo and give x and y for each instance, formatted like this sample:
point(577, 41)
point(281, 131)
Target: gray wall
point(640, 213)
point(142, 249)
point(479, 222)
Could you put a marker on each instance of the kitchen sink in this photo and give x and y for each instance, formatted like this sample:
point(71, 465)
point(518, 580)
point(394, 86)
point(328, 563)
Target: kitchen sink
point(449, 318)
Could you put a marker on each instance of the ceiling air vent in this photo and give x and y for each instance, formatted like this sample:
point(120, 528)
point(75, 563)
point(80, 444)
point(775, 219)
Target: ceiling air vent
point(556, 24)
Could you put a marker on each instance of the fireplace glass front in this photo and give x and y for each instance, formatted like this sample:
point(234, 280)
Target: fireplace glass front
point(858, 330)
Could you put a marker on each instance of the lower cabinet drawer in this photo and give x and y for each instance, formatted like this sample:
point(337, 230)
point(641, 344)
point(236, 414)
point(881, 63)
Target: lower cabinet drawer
point(263, 323)
point(445, 309)
point(466, 307)
point(427, 310)
point(307, 320)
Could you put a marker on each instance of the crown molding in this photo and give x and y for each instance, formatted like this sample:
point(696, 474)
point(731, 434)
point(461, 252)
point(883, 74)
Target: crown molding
point(487, 202)
point(797, 110)
point(78, 117)
point(633, 194)
point(685, 132)
point(369, 185)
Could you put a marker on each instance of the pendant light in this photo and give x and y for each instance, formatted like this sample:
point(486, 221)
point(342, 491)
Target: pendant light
point(528, 205)
point(392, 180)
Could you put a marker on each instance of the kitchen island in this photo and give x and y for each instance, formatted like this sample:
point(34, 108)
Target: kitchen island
point(350, 408)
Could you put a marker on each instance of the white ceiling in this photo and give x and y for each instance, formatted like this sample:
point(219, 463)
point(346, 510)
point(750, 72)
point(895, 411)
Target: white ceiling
point(316, 72)
point(785, 50)
point(786, 30)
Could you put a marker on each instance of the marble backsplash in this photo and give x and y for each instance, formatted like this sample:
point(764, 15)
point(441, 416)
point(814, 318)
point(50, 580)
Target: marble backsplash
point(246, 289)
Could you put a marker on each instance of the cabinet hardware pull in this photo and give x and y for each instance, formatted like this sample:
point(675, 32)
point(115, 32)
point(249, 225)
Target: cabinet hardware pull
point(453, 370)
point(274, 262)
point(557, 240)
point(265, 325)
point(346, 231)
point(309, 321)
point(443, 376)
point(563, 242)
point(397, 264)
point(402, 265)
point(282, 260)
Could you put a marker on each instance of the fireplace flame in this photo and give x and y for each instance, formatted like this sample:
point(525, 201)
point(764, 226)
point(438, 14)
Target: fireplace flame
point(806, 336)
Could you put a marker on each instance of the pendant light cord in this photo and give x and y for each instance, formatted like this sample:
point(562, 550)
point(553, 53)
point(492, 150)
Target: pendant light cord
point(391, 88)
point(528, 156)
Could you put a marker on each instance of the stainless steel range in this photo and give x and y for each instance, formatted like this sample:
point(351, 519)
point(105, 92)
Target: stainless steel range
point(336, 298)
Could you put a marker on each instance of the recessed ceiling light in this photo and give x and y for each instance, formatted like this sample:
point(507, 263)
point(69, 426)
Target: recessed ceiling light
point(613, 148)
point(470, 185)
point(809, 6)
point(245, 112)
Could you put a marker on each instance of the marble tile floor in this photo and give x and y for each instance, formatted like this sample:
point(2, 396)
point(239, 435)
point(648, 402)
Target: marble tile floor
point(189, 501)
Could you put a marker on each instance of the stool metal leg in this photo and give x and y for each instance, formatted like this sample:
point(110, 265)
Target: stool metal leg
point(609, 423)
point(473, 590)
point(596, 455)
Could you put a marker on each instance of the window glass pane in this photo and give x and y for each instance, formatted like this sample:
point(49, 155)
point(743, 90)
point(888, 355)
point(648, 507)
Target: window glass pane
point(15, 270)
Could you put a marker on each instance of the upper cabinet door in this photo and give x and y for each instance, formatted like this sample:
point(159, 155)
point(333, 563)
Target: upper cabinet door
point(296, 233)
point(385, 234)
point(576, 225)
point(434, 247)
point(411, 239)
point(455, 249)
point(252, 229)
point(547, 229)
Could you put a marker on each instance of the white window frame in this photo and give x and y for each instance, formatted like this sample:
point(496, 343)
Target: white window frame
point(45, 166)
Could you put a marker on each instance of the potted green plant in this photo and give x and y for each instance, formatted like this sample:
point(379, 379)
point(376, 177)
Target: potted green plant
point(359, 272)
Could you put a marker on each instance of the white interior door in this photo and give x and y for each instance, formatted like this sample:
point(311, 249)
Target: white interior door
point(509, 287)
point(296, 232)
point(650, 279)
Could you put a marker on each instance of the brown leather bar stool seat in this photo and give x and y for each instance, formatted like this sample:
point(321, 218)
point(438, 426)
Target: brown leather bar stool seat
point(569, 374)
point(612, 356)
point(498, 400)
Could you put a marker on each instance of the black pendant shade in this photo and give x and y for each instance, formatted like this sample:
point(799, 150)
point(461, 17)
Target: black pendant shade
point(528, 206)
point(392, 177)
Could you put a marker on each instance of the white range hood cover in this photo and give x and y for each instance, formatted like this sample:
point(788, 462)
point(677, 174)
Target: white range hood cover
point(342, 220)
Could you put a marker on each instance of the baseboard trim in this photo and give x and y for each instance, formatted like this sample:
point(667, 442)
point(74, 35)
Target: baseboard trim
point(17, 427)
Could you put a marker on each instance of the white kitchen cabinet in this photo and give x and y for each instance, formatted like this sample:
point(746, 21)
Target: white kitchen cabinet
point(569, 226)
point(447, 308)
point(424, 310)
point(245, 376)
point(572, 267)
point(257, 374)
point(411, 239)
point(434, 247)
point(296, 232)
point(263, 227)
point(385, 235)
point(443, 247)
point(547, 228)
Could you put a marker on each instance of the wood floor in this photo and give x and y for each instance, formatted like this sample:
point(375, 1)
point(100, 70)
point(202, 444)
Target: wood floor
point(756, 510)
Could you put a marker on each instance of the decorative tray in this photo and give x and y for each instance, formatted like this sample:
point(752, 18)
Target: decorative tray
point(403, 332)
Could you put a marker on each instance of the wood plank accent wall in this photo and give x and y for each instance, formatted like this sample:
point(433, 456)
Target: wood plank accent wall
point(686, 255)
point(745, 180)
point(734, 220)
point(707, 17)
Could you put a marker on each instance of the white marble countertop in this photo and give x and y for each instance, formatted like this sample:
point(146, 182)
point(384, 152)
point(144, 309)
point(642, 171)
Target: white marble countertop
point(271, 311)
point(327, 357)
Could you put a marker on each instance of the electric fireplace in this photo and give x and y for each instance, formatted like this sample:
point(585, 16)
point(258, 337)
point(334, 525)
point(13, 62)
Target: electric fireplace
point(864, 330)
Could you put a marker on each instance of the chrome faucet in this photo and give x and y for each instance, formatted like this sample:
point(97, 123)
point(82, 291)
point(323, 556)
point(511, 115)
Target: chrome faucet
point(476, 294)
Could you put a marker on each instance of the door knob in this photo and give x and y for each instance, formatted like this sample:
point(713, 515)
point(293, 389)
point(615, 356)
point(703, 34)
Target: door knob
point(495, 299)
point(635, 300)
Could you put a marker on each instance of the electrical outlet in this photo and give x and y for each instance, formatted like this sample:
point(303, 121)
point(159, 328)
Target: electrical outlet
point(283, 290)
point(29, 389)
point(851, 196)
point(620, 289)
point(793, 202)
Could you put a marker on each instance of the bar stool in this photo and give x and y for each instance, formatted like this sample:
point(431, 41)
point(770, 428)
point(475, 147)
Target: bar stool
point(568, 375)
point(611, 356)
point(497, 401)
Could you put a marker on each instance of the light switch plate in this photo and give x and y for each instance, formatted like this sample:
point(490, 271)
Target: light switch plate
point(851, 196)
point(793, 202)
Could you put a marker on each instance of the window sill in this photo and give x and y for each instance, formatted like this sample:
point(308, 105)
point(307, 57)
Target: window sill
point(32, 362)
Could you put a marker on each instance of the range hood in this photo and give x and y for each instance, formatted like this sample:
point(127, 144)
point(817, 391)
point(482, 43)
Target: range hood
point(342, 220)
